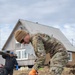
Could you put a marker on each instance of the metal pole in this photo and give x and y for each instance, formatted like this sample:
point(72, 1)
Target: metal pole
point(72, 42)
point(0, 37)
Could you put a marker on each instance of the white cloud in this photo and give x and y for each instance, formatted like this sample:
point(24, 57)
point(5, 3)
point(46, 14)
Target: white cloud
point(68, 30)
point(47, 10)
point(57, 13)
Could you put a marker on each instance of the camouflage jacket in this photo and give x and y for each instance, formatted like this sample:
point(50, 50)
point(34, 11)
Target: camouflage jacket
point(43, 44)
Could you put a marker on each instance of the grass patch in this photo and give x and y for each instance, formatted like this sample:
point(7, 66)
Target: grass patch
point(40, 68)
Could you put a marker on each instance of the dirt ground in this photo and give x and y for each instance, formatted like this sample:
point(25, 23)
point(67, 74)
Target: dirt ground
point(43, 71)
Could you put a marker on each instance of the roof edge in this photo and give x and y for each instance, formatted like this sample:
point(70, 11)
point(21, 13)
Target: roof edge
point(37, 23)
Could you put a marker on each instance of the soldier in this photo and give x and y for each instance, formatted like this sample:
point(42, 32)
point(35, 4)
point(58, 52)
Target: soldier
point(44, 44)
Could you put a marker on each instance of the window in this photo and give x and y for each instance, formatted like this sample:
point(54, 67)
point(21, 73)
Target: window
point(70, 56)
point(18, 54)
point(21, 54)
point(24, 54)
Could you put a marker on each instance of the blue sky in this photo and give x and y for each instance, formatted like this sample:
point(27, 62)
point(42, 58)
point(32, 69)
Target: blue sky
point(56, 13)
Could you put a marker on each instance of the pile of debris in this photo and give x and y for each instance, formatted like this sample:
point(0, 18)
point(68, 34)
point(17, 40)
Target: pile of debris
point(41, 71)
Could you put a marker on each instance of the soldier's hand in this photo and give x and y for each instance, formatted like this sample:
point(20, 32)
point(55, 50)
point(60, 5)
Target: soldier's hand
point(33, 72)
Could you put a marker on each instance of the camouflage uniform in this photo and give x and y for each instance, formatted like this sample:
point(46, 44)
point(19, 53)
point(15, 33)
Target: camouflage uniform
point(43, 44)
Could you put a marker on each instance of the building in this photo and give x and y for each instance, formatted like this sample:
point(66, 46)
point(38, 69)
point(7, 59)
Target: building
point(25, 53)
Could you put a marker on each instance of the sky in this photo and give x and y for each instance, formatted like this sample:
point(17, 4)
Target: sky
point(55, 13)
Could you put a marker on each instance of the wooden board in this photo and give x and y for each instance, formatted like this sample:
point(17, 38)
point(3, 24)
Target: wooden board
point(2, 53)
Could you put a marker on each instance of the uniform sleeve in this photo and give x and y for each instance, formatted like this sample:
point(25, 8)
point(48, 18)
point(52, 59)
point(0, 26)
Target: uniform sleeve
point(39, 51)
point(15, 62)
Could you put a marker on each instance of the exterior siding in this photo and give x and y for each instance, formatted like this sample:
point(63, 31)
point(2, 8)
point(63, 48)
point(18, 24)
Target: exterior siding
point(29, 61)
point(25, 62)
point(10, 45)
point(73, 59)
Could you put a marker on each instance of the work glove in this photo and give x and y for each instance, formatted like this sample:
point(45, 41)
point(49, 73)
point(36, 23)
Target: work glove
point(33, 72)
point(16, 67)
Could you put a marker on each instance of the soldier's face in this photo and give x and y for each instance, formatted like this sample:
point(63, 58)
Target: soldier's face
point(27, 39)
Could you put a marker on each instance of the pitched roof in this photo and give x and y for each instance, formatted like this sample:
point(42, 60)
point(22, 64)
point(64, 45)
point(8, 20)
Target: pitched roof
point(36, 27)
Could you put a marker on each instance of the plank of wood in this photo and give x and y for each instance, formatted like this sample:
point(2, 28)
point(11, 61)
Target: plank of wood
point(2, 53)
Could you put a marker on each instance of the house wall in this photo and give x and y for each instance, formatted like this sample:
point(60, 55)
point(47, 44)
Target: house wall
point(10, 45)
point(73, 59)
point(31, 56)
point(29, 61)
point(13, 45)
point(11, 42)
point(25, 62)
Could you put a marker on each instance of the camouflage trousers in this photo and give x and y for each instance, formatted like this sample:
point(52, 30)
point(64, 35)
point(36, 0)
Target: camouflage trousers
point(58, 62)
